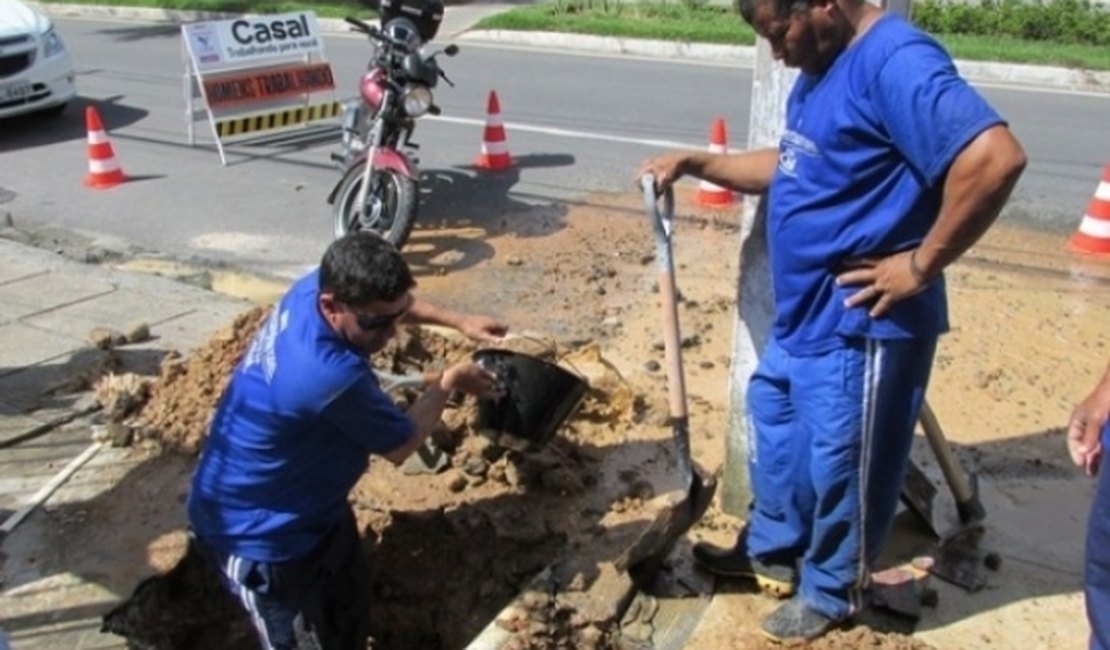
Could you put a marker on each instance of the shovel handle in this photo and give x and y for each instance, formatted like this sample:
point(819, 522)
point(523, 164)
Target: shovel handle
point(949, 466)
point(662, 226)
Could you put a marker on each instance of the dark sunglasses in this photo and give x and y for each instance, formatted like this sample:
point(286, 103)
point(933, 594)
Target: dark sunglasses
point(368, 323)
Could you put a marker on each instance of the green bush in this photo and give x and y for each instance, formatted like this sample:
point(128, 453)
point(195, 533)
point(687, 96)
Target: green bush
point(1059, 21)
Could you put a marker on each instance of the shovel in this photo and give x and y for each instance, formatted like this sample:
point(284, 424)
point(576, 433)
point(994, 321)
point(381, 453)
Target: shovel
point(688, 506)
point(428, 458)
point(919, 494)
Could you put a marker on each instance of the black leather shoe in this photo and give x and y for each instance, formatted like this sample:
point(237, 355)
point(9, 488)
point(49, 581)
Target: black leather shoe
point(778, 580)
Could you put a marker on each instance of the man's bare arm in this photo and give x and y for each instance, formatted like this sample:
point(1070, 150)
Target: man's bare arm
point(978, 184)
point(748, 172)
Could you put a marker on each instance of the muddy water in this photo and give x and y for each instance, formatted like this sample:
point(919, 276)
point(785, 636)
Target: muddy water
point(255, 288)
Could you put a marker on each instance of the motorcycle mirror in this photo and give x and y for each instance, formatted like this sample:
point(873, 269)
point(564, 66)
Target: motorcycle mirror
point(451, 50)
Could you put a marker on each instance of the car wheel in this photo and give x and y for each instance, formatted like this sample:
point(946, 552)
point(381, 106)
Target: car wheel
point(54, 111)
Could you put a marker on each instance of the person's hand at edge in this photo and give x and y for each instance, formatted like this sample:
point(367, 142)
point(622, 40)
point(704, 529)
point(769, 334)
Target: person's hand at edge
point(666, 169)
point(484, 329)
point(481, 328)
point(1085, 427)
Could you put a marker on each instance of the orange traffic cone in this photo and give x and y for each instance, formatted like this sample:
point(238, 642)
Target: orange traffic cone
point(495, 153)
point(104, 171)
point(710, 195)
point(1094, 230)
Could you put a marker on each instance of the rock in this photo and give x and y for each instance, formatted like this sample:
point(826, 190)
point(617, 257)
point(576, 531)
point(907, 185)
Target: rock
point(534, 600)
point(513, 260)
point(497, 473)
point(589, 638)
point(641, 489)
point(652, 366)
point(563, 481)
point(138, 333)
point(106, 338)
point(484, 447)
point(120, 435)
point(99, 433)
point(456, 481)
point(475, 466)
point(512, 476)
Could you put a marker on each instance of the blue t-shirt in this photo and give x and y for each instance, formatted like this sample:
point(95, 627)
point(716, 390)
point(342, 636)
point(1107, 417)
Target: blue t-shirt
point(861, 167)
point(290, 436)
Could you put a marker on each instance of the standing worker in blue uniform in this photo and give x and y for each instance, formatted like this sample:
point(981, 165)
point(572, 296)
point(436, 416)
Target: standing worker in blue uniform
point(890, 166)
point(1088, 435)
point(293, 433)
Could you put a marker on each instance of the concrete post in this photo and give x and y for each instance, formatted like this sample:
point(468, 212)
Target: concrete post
point(754, 309)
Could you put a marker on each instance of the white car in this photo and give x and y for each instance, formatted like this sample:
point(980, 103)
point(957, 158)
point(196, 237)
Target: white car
point(36, 70)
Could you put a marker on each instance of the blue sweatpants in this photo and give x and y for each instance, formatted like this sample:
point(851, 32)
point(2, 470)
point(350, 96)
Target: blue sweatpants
point(1097, 570)
point(830, 444)
point(317, 602)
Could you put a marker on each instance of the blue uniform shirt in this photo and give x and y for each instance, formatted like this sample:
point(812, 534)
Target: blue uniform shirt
point(861, 167)
point(290, 436)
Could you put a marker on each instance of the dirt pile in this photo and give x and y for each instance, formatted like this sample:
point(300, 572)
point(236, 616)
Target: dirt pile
point(184, 396)
point(450, 542)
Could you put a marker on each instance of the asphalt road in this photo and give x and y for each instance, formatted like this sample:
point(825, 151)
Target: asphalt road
point(576, 124)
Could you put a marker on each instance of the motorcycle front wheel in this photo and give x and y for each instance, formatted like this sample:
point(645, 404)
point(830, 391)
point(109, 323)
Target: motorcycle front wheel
point(390, 205)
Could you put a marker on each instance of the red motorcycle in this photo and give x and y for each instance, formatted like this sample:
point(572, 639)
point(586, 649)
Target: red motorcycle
point(378, 191)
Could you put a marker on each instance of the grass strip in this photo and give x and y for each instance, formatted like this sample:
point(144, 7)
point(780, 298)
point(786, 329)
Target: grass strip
point(687, 21)
point(331, 9)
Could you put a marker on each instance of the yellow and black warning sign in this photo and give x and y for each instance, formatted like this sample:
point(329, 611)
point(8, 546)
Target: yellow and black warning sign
point(278, 119)
point(256, 77)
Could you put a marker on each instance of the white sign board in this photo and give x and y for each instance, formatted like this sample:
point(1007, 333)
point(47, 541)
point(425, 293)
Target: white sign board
point(256, 74)
point(244, 41)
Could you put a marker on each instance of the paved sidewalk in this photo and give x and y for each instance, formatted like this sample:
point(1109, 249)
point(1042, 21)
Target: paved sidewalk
point(48, 305)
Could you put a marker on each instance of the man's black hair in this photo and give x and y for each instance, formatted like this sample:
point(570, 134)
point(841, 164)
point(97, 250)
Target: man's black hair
point(361, 268)
point(782, 8)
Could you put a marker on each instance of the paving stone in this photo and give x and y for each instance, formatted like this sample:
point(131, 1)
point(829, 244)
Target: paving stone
point(194, 328)
point(14, 425)
point(16, 270)
point(27, 346)
point(52, 290)
point(49, 386)
point(117, 310)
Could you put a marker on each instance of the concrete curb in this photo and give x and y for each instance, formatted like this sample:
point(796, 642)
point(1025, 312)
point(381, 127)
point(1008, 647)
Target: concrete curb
point(744, 56)
point(741, 56)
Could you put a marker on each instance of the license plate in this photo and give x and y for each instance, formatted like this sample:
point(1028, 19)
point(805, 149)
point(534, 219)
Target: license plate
point(15, 91)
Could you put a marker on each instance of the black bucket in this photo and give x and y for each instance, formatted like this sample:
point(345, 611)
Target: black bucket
point(539, 396)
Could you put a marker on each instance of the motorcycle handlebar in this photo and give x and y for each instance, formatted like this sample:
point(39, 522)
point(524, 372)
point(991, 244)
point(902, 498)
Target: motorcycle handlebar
point(359, 25)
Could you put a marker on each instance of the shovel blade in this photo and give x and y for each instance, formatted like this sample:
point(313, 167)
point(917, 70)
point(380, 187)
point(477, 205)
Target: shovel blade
point(677, 512)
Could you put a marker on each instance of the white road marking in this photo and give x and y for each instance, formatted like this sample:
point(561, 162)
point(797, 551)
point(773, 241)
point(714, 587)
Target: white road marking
point(567, 133)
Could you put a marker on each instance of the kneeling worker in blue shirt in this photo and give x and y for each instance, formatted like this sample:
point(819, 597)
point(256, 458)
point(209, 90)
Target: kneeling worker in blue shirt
point(293, 433)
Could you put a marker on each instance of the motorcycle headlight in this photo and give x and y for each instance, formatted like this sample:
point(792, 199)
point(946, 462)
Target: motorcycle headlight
point(417, 100)
point(52, 43)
